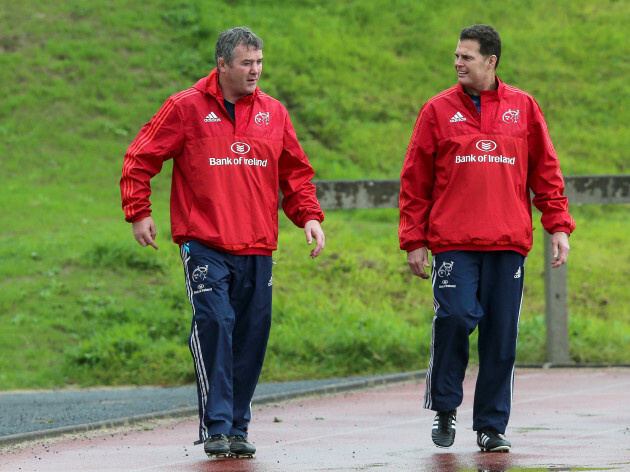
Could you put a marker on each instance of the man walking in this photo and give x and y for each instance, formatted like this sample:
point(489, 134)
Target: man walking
point(476, 152)
point(232, 147)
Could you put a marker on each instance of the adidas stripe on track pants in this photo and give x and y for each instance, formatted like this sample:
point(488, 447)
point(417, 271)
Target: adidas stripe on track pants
point(483, 290)
point(230, 297)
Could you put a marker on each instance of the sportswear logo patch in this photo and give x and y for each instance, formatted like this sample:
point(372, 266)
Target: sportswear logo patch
point(445, 269)
point(202, 288)
point(200, 273)
point(457, 117)
point(486, 145)
point(511, 116)
point(262, 118)
point(240, 148)
point(270, 283)
point(517, 275)
point(198, 277)
point(211, 118)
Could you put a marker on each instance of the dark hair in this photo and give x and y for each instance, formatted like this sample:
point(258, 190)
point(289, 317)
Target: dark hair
point(229, 39)
point(488, 38)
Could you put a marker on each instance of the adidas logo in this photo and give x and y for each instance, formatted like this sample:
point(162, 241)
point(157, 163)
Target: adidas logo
point(517, 275)
point(211, 117)
point(457, 117)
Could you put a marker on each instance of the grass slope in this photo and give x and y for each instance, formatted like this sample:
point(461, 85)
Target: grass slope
point(81, 303)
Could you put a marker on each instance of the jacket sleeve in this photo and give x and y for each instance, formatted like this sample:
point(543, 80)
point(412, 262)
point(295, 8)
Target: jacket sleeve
point(160, 139)
point(299, 200)
point(416, 183)
point(545, 178)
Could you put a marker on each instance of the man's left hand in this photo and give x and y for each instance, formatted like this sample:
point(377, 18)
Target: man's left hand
point(560, 248)
point(313, 230)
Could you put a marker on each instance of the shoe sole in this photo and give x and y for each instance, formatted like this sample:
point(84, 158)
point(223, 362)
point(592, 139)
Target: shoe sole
point(217, 455)
point(496, 449)
point(242, 456)
point(441, 446)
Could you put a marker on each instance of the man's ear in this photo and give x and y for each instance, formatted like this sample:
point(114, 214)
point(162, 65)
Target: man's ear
point(221, 64)
point(492, 61)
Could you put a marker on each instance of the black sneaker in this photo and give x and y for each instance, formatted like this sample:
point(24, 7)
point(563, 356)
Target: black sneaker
point(443, 433)
point(240, 448)
point(217, 445)
point(490, 440)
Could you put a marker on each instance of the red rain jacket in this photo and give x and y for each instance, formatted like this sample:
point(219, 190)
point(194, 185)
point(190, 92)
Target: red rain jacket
point(226, 175)
point(466, 178)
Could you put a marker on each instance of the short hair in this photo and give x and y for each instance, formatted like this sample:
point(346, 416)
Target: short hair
point(229, 39)
point(488, 38)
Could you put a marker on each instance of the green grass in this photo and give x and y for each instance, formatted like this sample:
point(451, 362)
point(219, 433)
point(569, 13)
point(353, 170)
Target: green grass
point(82, 303)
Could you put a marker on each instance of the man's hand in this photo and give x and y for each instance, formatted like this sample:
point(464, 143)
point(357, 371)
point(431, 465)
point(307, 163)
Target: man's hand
point(144, 231)
point(312, 229)
point(560, 247)
point(418, 259)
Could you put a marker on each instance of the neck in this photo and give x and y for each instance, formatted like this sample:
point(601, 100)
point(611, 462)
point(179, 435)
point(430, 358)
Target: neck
point(227, 94)
point(491, 84)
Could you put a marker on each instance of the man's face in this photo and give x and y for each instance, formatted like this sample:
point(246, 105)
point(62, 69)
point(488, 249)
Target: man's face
point(474, 72)
point(241, 77)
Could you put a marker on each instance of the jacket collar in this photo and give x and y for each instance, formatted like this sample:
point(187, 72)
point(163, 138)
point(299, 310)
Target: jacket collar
point(210, 86)
point(498, 92)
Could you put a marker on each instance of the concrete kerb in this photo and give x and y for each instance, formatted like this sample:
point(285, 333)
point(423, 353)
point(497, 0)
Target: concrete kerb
point(338, 387)
point(16, 439)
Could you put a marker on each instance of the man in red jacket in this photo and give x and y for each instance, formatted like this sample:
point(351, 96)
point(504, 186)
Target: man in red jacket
point(232, 147)
point(476, 152)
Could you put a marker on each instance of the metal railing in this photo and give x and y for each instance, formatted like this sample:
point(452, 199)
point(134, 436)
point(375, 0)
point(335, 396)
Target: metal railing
point(581, 190)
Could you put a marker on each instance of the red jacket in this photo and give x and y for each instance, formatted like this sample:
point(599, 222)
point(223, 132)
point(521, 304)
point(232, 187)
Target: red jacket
point(466, 178)
point(226, 175)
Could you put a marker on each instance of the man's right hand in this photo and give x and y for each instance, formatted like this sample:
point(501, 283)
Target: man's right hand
point(418, 259)
point(144, 231)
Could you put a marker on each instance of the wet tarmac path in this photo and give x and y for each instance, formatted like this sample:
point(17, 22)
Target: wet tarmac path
point(562, 419)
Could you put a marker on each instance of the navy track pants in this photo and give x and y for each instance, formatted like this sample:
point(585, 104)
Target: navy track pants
point(483, 290)
point(230, 297)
